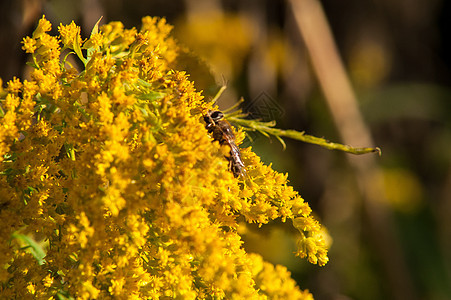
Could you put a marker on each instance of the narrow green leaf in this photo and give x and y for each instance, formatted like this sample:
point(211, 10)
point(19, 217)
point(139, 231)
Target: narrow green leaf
point(32, 64)
point(144, 83)
point(77, 49)
point(219, 93)
point(91, 50)
point(64, 61)
point(35, 249)
point(95, 29)
point(70, 151)
point(284, 146)
point(151, 95)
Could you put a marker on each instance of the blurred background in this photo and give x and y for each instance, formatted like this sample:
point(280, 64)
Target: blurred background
point(365, 73)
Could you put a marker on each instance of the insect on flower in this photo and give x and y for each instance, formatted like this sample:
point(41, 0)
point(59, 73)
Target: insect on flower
point(222, 132)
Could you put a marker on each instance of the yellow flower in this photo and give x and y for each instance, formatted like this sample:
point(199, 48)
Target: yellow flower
point(70, 35)
point(95, 40)
point(275, 282)
point(88, 291)
point(116, 286)
point(113, 168)
point(14, 86)
point(43, 26)
point(48, 47)
point(29, 45)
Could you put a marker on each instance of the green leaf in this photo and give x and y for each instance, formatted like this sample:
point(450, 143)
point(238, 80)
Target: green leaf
point(77, 49)
point(70, 151)
point(63, 295)
point(151, 95)
point(95, 30)
point(284, 146)
point(144, 83)
point(34, 247)
point(64, 61)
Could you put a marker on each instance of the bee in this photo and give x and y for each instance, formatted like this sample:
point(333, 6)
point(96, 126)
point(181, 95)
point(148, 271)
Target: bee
point(221, 131)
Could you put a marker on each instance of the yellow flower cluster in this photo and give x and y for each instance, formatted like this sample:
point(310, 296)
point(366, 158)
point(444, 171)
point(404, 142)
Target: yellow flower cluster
point(108, 168)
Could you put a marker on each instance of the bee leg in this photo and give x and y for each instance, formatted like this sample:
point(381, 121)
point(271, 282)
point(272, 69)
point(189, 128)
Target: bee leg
point(230, 163)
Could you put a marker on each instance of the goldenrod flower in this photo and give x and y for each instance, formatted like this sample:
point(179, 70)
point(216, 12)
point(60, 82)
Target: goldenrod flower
point(111, 170)
point(29, 45)
point(70, 35)
point(43, 26)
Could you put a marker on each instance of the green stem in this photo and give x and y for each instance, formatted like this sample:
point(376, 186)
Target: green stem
point(267, 128)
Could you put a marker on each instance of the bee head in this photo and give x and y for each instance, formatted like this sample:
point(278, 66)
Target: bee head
point(213, 116)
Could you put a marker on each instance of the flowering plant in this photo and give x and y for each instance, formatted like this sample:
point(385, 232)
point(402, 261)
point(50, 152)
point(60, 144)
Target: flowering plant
point(110, 185)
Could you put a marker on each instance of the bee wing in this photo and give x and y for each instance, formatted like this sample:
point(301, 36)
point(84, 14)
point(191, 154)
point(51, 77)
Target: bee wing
point(226, 129)
point(237, 166)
